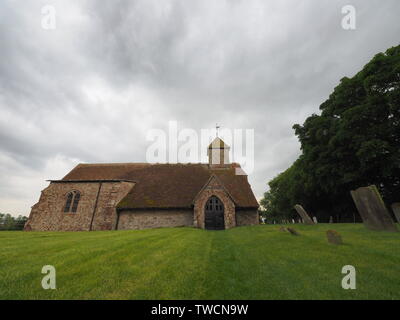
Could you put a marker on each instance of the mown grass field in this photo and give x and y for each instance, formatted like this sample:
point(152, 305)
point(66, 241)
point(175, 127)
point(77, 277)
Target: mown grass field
point(256, 262)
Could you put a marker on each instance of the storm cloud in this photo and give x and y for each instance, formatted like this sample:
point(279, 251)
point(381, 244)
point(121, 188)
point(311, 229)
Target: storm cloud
point(89, 90)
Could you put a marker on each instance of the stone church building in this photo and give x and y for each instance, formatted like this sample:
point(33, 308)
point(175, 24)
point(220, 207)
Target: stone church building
point(118, 196)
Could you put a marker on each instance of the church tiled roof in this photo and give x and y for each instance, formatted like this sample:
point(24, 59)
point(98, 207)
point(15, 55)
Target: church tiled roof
point(167, 185)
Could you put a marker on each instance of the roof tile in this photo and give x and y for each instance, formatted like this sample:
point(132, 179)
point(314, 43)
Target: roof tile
point(167, 185)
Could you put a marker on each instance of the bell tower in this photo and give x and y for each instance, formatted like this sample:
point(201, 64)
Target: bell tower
point(218, 152)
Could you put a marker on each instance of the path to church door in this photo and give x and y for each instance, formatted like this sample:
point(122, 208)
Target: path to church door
point(214, 214)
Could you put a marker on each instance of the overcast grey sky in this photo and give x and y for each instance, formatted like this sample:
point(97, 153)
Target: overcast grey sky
point(89, 90)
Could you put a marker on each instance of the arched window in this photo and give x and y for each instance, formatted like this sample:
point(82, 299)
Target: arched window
point(70, 196)
point(73, 198)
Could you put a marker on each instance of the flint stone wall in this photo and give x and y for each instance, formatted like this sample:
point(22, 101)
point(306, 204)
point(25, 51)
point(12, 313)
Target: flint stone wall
point(247, 217)
point(145, 219)
point(48, 214)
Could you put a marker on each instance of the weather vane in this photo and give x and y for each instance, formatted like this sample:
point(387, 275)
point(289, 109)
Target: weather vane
point(216, 128)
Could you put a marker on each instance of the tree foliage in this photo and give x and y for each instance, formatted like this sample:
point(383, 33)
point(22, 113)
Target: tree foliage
point(8, 222)
point(354, 142)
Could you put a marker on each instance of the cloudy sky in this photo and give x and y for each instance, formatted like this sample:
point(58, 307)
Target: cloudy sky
point(91, 89)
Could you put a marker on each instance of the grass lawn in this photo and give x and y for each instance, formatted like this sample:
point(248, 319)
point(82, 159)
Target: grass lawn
point(255, 262)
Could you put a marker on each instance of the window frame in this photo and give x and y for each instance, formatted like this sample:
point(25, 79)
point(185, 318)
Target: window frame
point(71, 203)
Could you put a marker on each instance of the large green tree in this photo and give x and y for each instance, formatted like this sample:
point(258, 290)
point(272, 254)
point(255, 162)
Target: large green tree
point(354, 142)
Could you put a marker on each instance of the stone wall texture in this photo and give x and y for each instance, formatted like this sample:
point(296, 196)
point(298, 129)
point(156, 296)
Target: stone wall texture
point(48, 214)
point(214, 188)
point(97, 209)
point(247, 217)
point(111, 194)
point(145, 219)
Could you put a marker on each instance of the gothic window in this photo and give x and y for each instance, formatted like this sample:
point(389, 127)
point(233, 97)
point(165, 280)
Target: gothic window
point(71, 204)
point(70, 196)
point(76, 201)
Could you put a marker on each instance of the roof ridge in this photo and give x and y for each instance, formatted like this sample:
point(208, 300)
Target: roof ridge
point(146, 163)
point(141, 163)
point(112, 164)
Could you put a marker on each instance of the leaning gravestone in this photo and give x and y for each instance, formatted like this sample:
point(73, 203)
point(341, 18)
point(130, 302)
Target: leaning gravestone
point(372, 209)
point(334, 237)
point(303, 214)
point(396, 210)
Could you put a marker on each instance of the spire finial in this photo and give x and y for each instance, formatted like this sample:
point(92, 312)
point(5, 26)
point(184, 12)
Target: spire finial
point(216, 128)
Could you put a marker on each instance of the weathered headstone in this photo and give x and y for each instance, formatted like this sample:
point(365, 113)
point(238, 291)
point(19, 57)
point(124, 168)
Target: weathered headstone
point(372, 209)
point(303, 214)
point(293, 221)
point(330, 219)
point(396, 210)
point(334, 237)
point(315, 219)
point(292, 231)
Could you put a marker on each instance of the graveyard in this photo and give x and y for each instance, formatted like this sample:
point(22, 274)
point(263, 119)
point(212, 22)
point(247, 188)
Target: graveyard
point(252, 262)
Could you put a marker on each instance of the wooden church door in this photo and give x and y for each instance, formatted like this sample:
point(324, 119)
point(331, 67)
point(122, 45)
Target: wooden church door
point(214, 214)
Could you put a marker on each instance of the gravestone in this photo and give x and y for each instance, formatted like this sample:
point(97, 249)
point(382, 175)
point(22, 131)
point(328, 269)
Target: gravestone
point(293, 221)
point(372, 209)
point(334, 237)
point(330, 219)
point(396, 210)
point(315, 220)
point(283, 229)
point(303, 214)
point(292, 231)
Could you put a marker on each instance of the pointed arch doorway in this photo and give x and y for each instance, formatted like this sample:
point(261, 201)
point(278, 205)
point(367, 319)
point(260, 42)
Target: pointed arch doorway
point(214, 214)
